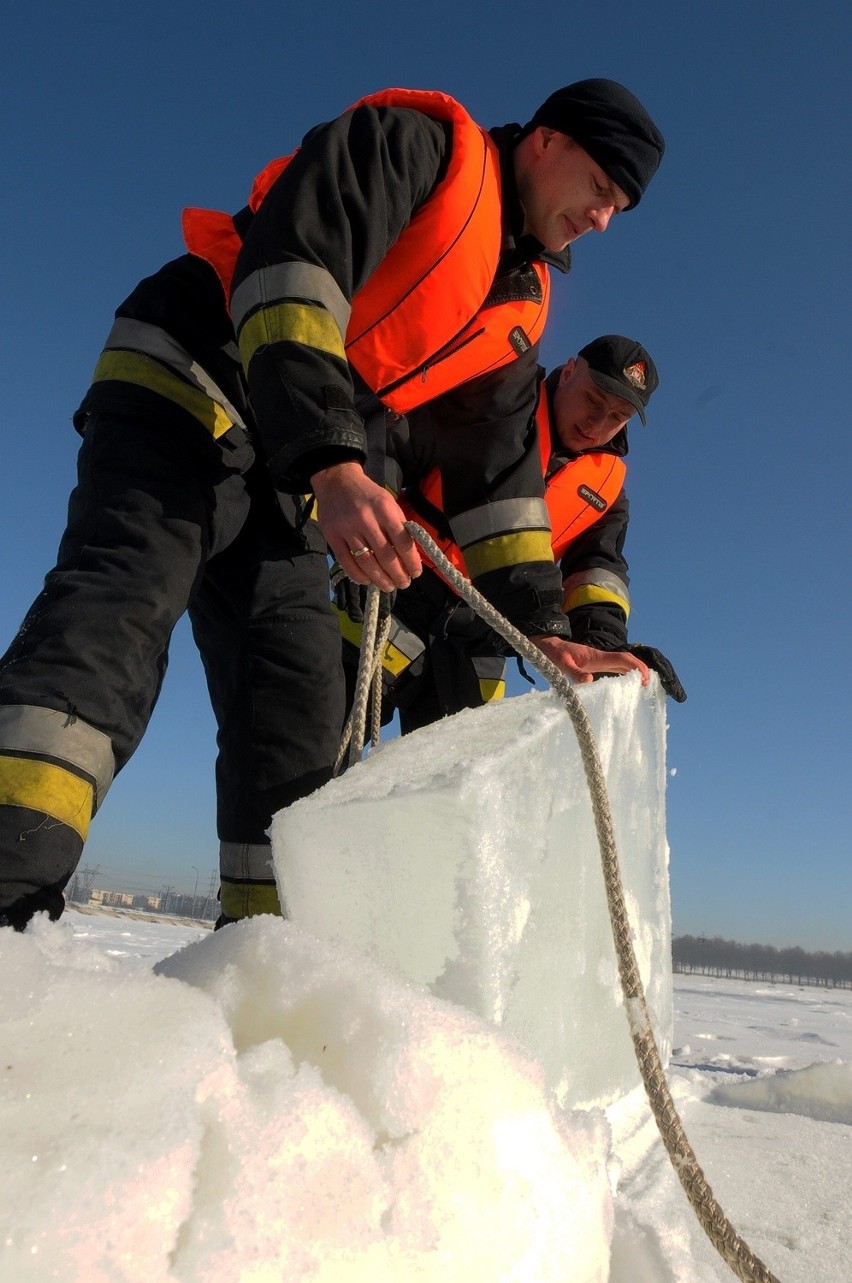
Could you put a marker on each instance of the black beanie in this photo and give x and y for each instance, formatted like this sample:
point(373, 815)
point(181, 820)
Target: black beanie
point(610, 123)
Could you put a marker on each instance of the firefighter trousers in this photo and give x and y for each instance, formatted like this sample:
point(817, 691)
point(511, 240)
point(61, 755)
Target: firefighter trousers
point(165, 519)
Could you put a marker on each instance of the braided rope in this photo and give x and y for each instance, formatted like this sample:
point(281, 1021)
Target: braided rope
point(368, 684)
point(730, 1246)
point(376, 688)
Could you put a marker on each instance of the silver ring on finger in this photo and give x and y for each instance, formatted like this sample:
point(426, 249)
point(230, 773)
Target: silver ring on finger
point(361, 552)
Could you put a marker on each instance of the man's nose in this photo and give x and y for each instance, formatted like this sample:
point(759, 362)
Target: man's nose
point(600, 217)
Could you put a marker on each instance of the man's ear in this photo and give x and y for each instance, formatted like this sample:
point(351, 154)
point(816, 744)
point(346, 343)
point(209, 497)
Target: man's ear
point(543, 137)
point(568, 369)
point(552, 137)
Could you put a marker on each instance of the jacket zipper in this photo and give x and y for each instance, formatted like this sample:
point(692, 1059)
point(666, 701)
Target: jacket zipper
point(449, 349)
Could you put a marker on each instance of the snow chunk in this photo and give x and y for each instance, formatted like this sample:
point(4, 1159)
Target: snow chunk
point(821, 1091)
point(270, 1106)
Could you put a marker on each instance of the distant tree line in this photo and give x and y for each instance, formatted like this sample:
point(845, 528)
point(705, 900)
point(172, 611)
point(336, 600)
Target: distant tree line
point(704, 956)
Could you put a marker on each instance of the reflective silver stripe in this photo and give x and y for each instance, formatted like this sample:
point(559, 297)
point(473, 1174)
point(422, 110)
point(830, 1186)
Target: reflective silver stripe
point(405, 641)
point(597, 578)
point(49, 733)
point(290, 281)
point(246, 861)
point(139, 336)
point(489, 668)
point(500, 518)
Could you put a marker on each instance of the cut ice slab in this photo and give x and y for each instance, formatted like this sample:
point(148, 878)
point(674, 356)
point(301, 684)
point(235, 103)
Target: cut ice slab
point(465, 858)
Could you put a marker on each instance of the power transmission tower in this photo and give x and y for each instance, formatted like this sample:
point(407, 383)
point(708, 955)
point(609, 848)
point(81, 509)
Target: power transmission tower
point(87, 876)
point(209, 899)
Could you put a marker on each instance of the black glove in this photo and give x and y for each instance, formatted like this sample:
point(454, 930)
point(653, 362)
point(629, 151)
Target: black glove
point(350, 598)
point(663, 667)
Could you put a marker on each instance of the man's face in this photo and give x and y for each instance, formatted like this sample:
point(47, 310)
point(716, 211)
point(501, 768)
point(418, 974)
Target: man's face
point(586, 417)
point(563, 191)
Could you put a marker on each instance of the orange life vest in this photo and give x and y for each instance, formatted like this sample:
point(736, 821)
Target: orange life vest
point(577, 495)
point(417, 326)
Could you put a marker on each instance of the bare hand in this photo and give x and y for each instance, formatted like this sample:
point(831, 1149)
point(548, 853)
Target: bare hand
point(365, 528)
point(581, 663)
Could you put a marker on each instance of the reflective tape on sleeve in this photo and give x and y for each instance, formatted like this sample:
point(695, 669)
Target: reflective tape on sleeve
point(171, 372)
point(287, 282)
point(508, 550)
point(590, 587)
point(499, 518)
point(145, 372)
point(301, 323)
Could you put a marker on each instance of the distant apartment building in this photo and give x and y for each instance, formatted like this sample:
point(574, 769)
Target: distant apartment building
point(173, 903)
point(111, 899)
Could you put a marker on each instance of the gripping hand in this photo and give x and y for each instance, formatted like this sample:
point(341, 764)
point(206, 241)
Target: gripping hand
point(350, 598)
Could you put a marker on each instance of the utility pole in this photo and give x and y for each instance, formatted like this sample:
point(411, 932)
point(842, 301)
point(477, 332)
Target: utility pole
point(194, 889)
point(209, 900)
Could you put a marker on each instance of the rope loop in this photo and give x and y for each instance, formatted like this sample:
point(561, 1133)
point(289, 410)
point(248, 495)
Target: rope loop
point(730, 1246)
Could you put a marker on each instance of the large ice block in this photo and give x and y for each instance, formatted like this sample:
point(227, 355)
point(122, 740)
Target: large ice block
point(465, 858)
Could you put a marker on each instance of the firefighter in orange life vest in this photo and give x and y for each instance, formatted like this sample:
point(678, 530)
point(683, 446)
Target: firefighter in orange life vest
point(399, 256)
point(441, 657)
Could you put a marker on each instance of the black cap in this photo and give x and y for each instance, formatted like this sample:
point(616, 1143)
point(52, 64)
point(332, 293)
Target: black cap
point(623, 367)
point(610, 123)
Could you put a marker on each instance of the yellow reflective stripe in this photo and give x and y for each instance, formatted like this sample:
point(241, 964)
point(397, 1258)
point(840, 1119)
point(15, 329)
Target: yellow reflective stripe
point(290, 281)
point(42, 786)
point(349, 630)
point(290, 323)
point(146, 372)
point(508, 550)
point(128, 335)
point(393, 659)
point(591, 594)
point(310, 499)
point(249, 899)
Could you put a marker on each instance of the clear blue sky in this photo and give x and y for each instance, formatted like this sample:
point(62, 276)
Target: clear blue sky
point(734, 272)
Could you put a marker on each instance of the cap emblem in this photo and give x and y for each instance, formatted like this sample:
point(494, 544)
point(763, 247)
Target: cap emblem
point(635, 374)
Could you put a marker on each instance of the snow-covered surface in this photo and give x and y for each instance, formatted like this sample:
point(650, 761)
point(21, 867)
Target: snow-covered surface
point(267, 1103)
point(466, 859)
point(158, 1130)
